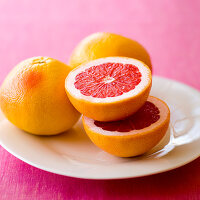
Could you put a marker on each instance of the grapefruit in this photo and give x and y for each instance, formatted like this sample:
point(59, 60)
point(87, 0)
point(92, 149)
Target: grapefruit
point(133, 135)
point(33, 97)
point(99, 45)
point(109, 88)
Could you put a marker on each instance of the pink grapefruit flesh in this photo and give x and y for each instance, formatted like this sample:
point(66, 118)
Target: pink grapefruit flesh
point(108, 80)
point(143, 118)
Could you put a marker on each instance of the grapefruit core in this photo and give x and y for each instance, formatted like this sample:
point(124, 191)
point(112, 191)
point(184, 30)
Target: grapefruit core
point(109, 89)
point(133, 135)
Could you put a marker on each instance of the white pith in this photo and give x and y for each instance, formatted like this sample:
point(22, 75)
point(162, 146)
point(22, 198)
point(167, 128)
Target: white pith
point(108, 79)
point(145, 79)
point(164, 112)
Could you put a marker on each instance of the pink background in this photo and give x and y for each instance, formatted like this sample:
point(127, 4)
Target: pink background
point(170, 30)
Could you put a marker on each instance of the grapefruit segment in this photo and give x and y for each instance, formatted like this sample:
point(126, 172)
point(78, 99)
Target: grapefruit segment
point(133, 135)
point(109, 89)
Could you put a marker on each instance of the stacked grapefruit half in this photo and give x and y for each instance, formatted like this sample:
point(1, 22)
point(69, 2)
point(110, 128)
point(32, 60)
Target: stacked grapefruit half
point(119, 116)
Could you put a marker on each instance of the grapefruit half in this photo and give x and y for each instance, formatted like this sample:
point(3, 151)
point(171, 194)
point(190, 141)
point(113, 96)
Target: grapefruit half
point(109, 89)
point(134, 135)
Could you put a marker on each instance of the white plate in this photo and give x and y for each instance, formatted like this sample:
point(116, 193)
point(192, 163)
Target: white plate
point(72, 153)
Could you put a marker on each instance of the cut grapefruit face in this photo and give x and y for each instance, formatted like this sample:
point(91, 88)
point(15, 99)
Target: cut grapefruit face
point(109, 88)
point(133, 135)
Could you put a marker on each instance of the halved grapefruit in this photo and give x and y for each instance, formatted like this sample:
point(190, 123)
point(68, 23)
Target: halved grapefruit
point(134, 135)
point(109, 89)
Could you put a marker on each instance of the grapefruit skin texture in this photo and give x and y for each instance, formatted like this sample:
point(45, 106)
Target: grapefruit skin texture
point(128, 145)
point(33, 97)
point(101, 44)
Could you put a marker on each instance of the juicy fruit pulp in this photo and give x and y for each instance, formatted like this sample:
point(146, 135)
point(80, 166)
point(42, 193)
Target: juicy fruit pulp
point(108, 80)
point(143, 118)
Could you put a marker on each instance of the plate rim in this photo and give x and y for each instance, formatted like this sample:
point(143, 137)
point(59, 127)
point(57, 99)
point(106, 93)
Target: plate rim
point(98, 178)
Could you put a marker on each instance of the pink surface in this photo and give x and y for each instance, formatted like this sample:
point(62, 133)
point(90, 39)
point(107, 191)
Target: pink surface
point(170, 30)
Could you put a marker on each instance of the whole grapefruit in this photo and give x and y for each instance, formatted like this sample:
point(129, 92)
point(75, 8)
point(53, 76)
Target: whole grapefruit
point(33, 97)
point(101, 44)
